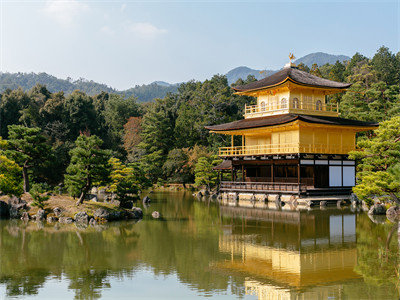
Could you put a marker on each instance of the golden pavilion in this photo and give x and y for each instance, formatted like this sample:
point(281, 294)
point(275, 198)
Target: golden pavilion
point(293, 141)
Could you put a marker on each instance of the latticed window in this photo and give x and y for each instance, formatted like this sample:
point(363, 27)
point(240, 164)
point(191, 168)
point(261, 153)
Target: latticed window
point(295, 103)
point(283, 103)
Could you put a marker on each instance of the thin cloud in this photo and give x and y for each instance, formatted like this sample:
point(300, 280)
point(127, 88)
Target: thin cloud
point(145, 30)
point(64, 12)
point(107, 30)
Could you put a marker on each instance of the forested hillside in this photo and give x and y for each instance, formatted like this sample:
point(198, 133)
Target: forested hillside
point(143, 93)
point(167, 137)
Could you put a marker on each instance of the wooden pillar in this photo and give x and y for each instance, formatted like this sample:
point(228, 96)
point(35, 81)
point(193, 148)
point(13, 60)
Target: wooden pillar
point(232, 140)
point(298, 172)
point(272, 172)
point(298, 175)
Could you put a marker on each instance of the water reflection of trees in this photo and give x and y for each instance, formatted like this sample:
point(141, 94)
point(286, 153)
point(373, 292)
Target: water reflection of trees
point(182, 243)
point(186, 242)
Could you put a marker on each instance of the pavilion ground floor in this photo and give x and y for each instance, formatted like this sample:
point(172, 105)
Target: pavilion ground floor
point(298, 174)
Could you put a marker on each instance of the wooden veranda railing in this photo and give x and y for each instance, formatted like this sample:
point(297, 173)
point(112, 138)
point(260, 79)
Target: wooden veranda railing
point(261, 187)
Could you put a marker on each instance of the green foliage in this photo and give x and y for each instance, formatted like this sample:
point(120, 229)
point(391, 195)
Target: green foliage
point(126, 181)
point(379, 168)
point(10, 177)
point(27, 147)
point(204, 173)
point(89, 166)
point(39, 196)
point(177, 168)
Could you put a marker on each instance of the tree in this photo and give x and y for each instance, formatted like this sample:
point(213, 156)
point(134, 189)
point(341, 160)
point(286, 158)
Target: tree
point(27, 147)
point(176, 166)
point(379, 168)
point(132, 136)
point(386, 65)
point(10, 177)
point(89, 165)
point(204, 173)
point(315, 70)
point(126, 181)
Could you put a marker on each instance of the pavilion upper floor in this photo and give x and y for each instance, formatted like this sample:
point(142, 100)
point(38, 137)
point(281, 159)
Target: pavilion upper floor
point(291, 90)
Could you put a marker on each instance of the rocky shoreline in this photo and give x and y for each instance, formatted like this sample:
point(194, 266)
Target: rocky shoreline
point(64, 212)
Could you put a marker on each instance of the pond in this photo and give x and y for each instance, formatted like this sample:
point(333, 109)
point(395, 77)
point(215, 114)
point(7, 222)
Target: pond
point(205, 249)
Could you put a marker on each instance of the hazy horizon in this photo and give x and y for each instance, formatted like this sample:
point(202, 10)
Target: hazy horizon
point(128, 43)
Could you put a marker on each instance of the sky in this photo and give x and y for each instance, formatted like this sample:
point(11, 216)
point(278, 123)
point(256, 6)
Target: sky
point(125, 43)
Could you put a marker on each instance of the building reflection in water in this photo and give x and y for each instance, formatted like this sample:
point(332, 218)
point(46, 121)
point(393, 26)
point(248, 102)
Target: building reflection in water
point(288, 254)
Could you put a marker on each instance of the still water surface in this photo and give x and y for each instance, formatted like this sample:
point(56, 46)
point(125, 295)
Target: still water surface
point(204, 249)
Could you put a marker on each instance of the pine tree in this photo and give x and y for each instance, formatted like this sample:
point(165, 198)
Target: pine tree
point(28, 148)
point(89, 166)
point(379, 168)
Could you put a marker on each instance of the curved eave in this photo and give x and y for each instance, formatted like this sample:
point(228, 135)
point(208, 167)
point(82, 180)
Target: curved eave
point(301, 123)
point(244, 91)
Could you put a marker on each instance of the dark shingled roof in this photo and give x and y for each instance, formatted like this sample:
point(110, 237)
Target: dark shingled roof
point(287, 118)
point(294, 74)
point(225, 165)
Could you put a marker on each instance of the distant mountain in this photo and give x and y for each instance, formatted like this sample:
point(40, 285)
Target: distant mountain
point(242, 72)
point(145, 92)
point(318, 58)
point(26, 81)
point(321, 59)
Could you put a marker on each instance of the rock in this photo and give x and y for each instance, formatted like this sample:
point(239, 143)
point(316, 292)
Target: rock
point(4, 210)
point(339, 203)
point(101, 194)
point(25, 216)
point(15, 204)
point(377, 219)
point(155, 215)
point(101, 213)
point(146, 200)
point(393, 213)
point(52, 219)
point(116, 215)
point(92, 222)
point(204, 192)
point(14, 213)
point(92, 198)
point(323, 203)
point(66, 220)
point(40, 215)
point(354, 199)
point(137, 212)
point(127, 204)
point(81, 217)
point(57, 211)
point(116, 202)
point(377, 209)
point(14, 200)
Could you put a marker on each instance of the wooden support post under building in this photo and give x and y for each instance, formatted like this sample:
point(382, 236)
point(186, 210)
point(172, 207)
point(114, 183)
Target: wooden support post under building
point(298, 175)
point(272, 172)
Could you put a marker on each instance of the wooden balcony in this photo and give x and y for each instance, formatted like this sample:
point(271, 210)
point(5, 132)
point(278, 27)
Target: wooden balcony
point(271, 149)
point(292, 106)
point(263, 187)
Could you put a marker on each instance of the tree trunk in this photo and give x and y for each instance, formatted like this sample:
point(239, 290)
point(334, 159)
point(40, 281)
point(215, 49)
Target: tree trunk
point(81, 198)
point(26, 179)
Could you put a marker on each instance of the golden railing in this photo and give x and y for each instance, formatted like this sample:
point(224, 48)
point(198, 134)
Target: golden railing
point(295, 106)
point(284, 149)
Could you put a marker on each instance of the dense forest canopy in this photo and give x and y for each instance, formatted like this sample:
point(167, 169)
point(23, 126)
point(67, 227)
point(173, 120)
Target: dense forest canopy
point(167, 137)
